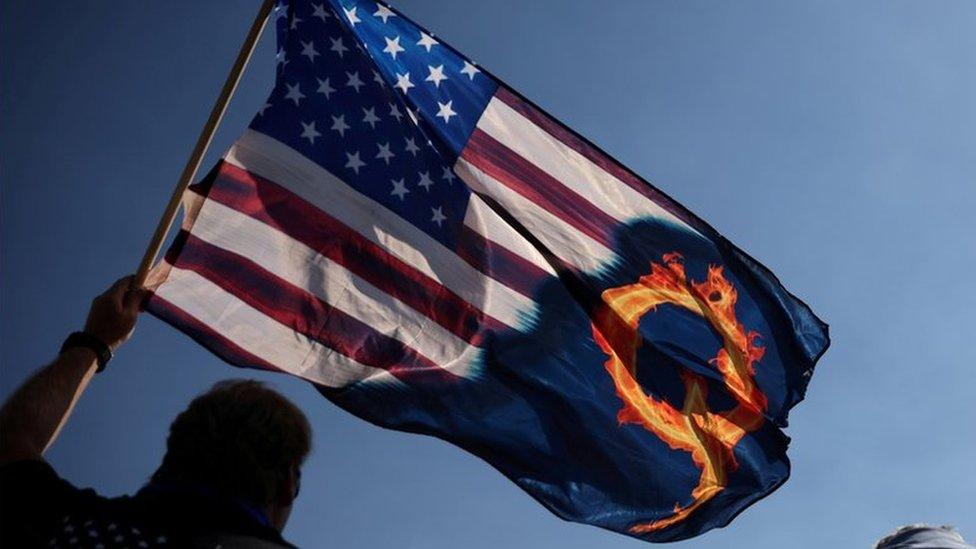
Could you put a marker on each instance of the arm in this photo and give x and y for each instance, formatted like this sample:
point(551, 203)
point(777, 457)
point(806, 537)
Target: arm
point(32, 417)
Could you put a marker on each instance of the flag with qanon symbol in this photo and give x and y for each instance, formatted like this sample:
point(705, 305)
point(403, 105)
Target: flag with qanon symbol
point(438, 255)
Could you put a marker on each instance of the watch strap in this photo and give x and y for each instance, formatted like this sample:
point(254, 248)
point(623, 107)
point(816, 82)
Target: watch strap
point(86, 340)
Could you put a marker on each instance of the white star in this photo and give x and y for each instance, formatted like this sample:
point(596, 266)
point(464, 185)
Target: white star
point(393, 46)
point(385, 153)
point(436, 75)
point(469, 70)
point(353, 161)
point(308, 50)
point(325, 88)
point(354, 81)
point(351, 16)
point(294, 93)
point(425, 181)
point(403, 82)
point(280, 57)
point(399, 188)
point(448, 175)
point(378, 78)
point(309, 132)
point(412, 147)
point(427, 41)
point(339, 124)
point(338, 46)
point(279, 12)
point(294, 22)
point(263, 108)
point(438, 216)
point(446, 111)
point(395, 111)
point(371, 117)
point(320, 12)
point(384, 13)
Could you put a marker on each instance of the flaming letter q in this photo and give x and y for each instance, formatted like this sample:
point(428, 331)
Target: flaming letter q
point(709, 437)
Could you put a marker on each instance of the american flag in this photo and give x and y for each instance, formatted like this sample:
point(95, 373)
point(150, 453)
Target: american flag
point(396, 221)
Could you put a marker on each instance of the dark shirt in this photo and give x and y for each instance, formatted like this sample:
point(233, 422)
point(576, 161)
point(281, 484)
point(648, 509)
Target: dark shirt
point(40, 509)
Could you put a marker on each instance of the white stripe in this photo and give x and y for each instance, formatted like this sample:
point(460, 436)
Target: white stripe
point(565, 241)
point(569, 167)
point(481, 219)
point(261, 335)
point(271, 159)
point(300, 265)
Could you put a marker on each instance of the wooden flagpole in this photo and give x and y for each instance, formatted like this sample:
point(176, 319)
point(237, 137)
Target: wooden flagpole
point(193, 163)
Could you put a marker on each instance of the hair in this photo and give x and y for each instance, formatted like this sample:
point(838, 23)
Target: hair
point(917, 535)
point(241, 439)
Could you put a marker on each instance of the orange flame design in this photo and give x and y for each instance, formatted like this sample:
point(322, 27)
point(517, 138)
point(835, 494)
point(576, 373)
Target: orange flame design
point(709, 437)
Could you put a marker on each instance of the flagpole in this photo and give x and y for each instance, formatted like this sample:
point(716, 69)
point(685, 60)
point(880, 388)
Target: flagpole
point(206, 136)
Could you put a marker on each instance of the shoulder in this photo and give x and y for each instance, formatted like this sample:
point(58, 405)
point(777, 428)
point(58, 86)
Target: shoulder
point(33, 483)
point(236, 542)
point(34, 500)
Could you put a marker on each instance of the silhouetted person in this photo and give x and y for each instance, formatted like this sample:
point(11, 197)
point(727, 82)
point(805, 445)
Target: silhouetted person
point(229, 477)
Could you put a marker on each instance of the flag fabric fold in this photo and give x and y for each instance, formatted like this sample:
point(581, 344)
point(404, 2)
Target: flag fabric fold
point(438, 255)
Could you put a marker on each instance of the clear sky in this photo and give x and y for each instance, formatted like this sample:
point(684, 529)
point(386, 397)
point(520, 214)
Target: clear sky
point(835, 141)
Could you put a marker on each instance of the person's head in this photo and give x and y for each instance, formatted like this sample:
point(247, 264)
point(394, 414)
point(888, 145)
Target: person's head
point(242, 440)
point(917, 536)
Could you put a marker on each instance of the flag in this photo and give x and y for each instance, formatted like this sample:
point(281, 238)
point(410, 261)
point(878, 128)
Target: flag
point(438, 255)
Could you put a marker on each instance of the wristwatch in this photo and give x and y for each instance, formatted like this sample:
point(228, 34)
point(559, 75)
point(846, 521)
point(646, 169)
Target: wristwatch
point(84, 339)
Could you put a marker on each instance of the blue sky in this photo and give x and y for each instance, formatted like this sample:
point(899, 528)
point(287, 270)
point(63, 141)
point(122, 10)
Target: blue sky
point(832, 140)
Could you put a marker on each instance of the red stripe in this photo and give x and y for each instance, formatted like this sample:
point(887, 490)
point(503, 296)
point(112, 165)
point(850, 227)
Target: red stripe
point(305, 313)
point(277, 207)
point(595, 155)
point(500, 263)
point(206, 336)
point(530, 181)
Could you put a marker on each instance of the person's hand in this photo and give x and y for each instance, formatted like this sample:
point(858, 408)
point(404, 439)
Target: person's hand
point(113, 314)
